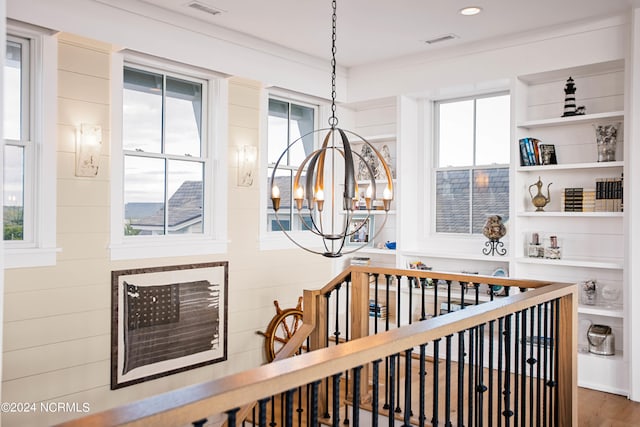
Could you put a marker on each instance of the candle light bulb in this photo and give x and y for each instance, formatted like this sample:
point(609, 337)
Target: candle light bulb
point(320, 195)
point(275, 192)
point(369, 193)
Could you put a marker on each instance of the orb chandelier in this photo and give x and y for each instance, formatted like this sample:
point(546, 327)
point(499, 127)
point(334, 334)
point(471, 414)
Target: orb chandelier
point(342, 222)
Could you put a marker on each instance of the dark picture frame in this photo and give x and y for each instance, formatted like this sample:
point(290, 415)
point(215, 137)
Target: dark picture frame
point(166, 320)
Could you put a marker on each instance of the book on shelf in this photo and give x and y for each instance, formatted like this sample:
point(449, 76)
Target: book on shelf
point(533, 152)
point(609, 194)
point(578, 199)
point(548, 154)
point(360, 261)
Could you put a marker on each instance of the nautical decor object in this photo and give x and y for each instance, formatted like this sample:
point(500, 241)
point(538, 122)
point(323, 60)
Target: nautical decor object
point(569, 98)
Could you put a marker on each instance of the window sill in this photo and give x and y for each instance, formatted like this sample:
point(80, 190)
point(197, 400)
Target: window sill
point(277, 240)
point(30, 257)
point(162, 248)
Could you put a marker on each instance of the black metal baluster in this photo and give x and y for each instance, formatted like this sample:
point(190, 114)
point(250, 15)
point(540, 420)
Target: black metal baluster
point(288, 408)
point(376, 306)
point(410, 280)
point(231, 417)
point(273, 412)
point(346, 380)
point(398, 380)
point(556, 406)
point(471, 389)
point(386, 360)
point(299, 410)
point(501, 336)
point(516, 369)
point(460, 378)
point(199, 423)
point(546, 364)
point(448, 296)
point(386, 323)
point(398, 304)
point(326, 381)
point(552, 376)
point(436, 309)
point(313, 409)
point(482, 389)
point(423, 307)
point(539, 364)
point(476, 287)
point(447, 384)
point(508, 413)
point(421, 388)
point(336, 332)
point(523, 368)
point(392, 396)
point(407, 388)
point(262, 412)
point(463, 292)
point(532, 361)
point(436, 383)
point(356, 396)
point(490, 373)
point(336, 398)
point(376, 392)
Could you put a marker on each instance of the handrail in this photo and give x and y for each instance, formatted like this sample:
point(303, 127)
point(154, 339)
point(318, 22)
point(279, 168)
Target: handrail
point(182, 406)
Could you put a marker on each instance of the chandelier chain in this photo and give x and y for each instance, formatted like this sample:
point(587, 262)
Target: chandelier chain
point(333, 120)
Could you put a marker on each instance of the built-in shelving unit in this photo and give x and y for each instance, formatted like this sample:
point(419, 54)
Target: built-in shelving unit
point(591, 243)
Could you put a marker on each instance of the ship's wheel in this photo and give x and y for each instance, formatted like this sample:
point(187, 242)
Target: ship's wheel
point(281, 328)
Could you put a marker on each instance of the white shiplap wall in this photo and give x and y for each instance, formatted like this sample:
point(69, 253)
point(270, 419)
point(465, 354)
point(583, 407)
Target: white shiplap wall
point(57, 321)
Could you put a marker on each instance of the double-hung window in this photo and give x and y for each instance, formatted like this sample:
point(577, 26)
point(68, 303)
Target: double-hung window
point(472, 162)
point(28, 196)
point(288, 122)
point(169, 183)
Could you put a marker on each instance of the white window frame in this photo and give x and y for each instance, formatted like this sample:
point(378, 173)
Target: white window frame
point(38, 248)
point(213, 239)
point(470, 168)
point(272, 240)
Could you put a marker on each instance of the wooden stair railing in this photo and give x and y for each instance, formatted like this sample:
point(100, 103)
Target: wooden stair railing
point(181, 407)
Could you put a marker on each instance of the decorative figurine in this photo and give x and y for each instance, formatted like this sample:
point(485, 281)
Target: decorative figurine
point(494, 230)
point(539, 200)
point(569, 98)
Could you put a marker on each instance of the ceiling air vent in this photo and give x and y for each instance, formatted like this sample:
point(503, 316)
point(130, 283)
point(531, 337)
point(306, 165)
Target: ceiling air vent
point(202, 7)
point(439, 39)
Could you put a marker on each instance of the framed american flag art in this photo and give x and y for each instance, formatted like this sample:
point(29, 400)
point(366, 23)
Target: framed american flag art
point(167, 320)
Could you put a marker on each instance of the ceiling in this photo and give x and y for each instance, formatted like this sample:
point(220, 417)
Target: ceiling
point(371, 31)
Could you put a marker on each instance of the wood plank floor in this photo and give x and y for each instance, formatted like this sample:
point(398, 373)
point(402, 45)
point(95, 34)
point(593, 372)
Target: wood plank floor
point(597, 409)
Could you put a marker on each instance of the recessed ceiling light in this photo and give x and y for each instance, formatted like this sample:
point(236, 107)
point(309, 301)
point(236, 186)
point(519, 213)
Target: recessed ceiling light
point(470, 11)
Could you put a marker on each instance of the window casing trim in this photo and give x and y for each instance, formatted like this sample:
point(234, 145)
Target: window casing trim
point(214, 236)
point(39, 249)
point(471, 168)
point(274, 240)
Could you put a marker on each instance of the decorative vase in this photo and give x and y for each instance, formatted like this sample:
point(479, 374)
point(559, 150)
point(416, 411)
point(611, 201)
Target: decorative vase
point(540, 200)
point(494, 230)
point(606, 139)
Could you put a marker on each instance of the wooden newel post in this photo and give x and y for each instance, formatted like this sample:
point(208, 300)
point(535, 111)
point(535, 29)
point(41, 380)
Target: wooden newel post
point(360, 320)
point(568, 360)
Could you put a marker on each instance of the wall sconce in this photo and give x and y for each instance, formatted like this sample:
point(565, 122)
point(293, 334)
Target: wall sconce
point(88, 147)
point(247, 158)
